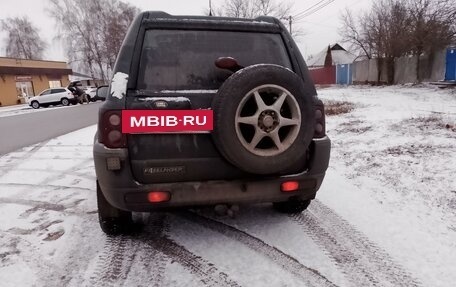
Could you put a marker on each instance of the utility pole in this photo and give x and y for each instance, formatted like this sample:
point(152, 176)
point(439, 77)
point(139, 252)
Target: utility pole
point(290, 20)
point(210, 8)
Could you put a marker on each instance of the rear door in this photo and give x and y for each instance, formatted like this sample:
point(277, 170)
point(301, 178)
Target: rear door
point(177, 67)
point(45, 97)
point(58, 94)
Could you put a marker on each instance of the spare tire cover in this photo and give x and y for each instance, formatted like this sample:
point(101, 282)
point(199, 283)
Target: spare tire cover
point(263, 119)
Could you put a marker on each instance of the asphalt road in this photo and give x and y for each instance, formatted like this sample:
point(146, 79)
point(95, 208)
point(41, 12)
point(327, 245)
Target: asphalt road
point(22, 130)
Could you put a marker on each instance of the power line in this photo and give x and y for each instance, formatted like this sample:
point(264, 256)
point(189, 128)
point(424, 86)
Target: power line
point(307, 9)
point(314, 10)
point(329, 17)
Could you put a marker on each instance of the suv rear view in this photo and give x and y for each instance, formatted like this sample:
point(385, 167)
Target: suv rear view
point(263, 140)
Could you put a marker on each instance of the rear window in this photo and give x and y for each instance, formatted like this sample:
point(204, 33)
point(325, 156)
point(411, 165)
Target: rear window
point(184, 60)
point(56, 91)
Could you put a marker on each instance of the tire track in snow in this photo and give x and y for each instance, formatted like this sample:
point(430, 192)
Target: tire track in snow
point(35, 204)
point(67, 171)
point(90, 176)
point(153, 261)
point(115, 261)
point(204, 270)
point(33, 186)
point(364, 263)
point(310, 276)
point(122, 251)
point(154, 251)
point(31, 256)
point(19, 160)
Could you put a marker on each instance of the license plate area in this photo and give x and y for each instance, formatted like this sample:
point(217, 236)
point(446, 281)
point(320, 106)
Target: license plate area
point(167, 121)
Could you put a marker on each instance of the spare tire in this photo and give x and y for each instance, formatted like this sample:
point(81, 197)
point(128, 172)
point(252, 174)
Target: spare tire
point(263, 119)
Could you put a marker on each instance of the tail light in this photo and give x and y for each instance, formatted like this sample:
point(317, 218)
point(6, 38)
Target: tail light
point(320, 123)
point(158, 196)
point(289, 186)
point(110, 128)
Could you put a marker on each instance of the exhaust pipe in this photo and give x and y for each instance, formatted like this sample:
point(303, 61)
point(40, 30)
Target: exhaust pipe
point(226, 210)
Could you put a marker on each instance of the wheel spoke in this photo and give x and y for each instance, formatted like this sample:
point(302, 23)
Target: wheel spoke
point(259, 101)
point(279, 102)
point(288, 122)
point(259, 135)
point(252, 120)
point(276, 139)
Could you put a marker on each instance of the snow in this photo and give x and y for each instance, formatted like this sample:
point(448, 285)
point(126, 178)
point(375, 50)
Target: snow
point(218, 20)
point(14, 110)
point(188, 91)
point(401, 187)
point(386, 208)
point(168, 99)
point(119, 85)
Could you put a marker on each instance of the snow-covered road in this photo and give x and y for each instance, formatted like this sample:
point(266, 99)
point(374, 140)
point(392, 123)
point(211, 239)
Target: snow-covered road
point(385, 215)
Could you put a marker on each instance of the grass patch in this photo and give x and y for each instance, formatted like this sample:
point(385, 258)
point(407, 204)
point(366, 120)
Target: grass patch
point(333, 108)
point(354, 126)
point(430, 122)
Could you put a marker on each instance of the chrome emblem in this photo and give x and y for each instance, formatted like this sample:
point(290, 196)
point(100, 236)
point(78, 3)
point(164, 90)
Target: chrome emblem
point(167, 169)
point(161, 104)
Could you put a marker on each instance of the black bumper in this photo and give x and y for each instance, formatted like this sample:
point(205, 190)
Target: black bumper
point(123, 192)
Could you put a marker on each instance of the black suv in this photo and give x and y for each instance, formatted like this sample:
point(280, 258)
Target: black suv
point(268, 142)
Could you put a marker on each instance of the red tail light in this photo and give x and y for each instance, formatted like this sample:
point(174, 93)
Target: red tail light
point(320, 122)
point(289, 186)
point(158, 196)
point(110, 128)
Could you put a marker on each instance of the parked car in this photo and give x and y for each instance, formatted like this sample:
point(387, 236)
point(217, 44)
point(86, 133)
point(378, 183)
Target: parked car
point(207, 111)
point(97, 94)
point(52, 96)
point(90, 92)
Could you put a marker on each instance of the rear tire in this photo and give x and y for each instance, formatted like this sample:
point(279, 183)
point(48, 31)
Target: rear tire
point(292, 206)
point(35, 105)
point(113, 221)
point(65, 102)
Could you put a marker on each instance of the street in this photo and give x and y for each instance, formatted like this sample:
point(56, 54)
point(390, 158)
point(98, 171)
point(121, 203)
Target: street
point(29, 128)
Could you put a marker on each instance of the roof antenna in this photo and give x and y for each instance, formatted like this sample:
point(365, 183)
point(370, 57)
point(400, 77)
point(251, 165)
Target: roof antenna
point(210, 8)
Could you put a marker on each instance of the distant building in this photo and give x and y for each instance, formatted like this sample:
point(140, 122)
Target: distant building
point(20, 78)
point(339, 56)
point(86, 80)
point(333, 65)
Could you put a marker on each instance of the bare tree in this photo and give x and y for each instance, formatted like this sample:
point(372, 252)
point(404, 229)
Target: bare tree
point(375, 33)
point(93, 31)
point(432, 27)
point(395, 28)
point(254, 8)
point(352, 34)
point(380, 33)
point(117, 20)
point(23, 40)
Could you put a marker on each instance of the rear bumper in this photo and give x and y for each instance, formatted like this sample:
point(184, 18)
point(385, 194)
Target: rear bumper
point(123, 192)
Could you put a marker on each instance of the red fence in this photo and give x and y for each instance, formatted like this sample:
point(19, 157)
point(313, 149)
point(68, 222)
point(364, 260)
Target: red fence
point(324, 76)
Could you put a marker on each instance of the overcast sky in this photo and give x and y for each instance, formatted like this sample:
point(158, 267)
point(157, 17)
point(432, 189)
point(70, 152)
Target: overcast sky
point(320, 28)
